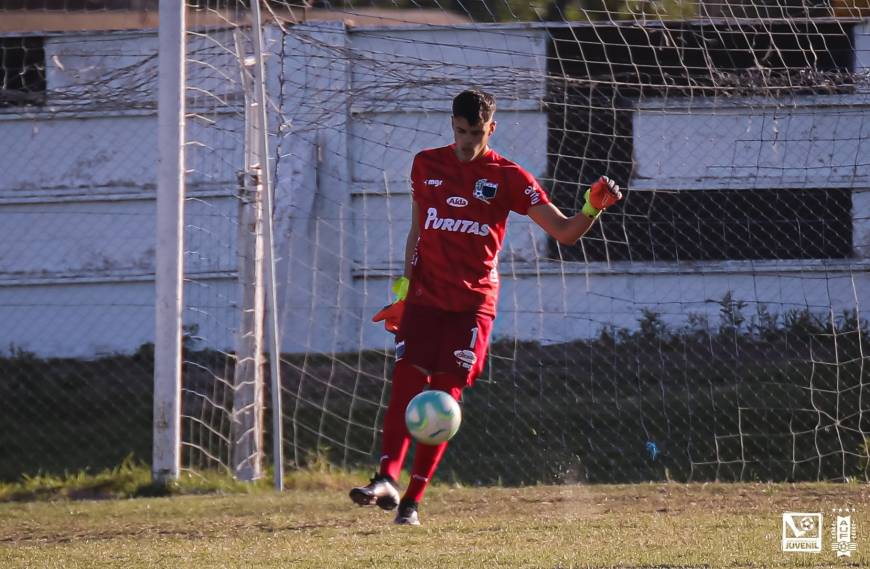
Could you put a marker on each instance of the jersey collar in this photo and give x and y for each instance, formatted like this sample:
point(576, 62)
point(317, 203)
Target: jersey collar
point(488, 154)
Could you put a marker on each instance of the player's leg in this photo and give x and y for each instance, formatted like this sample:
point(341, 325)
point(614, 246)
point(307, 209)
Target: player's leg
point(383, 489)
point(427, 457)
point(408, 381)
point(462, 354)
point(413, 354)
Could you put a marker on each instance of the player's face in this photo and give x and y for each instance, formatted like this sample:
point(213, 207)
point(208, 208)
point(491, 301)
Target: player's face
point(471, 140)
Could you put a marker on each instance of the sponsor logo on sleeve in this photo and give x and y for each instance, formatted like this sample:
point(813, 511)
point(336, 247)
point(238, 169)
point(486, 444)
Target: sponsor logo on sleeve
point(534, 195)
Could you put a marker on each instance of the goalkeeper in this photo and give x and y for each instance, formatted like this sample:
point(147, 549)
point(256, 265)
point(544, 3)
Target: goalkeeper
point(446, 300)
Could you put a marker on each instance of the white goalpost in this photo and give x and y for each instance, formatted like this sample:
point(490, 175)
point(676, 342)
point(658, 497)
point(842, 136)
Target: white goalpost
point(269, 262)
point(166, 459)
point(257, 320)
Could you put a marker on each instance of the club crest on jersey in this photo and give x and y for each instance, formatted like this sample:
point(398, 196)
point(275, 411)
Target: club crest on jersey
point(457, 201)
point(484, 190)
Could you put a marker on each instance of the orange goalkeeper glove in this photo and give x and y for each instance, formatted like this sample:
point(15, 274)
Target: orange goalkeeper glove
point(392, 313)
point(600, 196)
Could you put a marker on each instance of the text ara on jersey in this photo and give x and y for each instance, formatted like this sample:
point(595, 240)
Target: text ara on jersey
point(458, 225)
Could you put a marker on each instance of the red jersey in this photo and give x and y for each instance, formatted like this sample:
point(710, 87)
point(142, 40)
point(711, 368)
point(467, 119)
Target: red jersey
point(464, 209)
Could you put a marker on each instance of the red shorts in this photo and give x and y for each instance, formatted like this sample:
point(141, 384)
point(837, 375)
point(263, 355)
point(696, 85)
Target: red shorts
point(444, 342)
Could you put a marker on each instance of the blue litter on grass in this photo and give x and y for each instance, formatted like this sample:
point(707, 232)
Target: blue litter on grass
point(652, 449)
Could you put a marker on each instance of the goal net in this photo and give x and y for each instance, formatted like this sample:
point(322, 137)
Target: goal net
point(712, 326)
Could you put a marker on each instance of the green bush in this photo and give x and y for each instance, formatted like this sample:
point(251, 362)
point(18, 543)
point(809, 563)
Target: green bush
point(756, 396)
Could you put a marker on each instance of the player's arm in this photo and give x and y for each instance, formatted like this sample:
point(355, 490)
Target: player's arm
point(567, 230)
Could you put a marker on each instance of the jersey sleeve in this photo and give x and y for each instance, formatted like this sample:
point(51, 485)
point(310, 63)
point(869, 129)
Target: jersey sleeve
point(416, 177)
point(526, 193)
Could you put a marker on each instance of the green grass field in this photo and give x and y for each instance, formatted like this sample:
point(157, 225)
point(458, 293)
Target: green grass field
point(645, 525)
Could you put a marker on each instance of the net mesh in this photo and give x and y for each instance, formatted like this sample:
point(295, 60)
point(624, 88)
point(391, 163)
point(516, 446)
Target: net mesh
point(711, 326)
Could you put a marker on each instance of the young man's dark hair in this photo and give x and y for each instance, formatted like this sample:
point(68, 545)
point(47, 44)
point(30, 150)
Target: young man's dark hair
point(474, 106)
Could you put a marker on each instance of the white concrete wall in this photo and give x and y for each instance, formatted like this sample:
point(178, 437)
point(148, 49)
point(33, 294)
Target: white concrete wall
point(753, 143)
point(77, 187)
point(77, 181)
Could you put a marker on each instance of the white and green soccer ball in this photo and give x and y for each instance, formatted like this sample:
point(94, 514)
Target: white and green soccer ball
point(433, 417)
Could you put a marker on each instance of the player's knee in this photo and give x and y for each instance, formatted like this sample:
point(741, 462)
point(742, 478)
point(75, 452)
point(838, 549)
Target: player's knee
point(451, 383)
point(408, 381)
point(405, 370)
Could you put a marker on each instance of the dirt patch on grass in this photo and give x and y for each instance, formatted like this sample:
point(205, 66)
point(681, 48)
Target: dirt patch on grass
point(596, 500)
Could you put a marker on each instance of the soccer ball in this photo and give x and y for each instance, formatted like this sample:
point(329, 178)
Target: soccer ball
point(433, 417)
